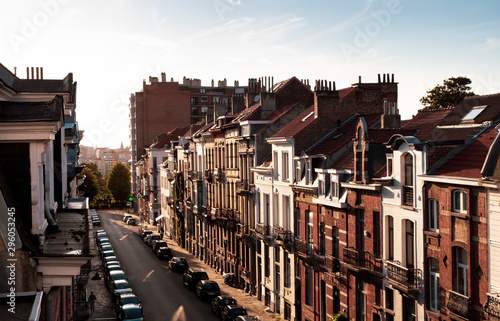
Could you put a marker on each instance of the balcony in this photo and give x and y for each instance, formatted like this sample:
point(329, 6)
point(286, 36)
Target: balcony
point(197, 176)
point(282, 236)
point(492, 306)
point(362, 261)
point(170, 176)
point(458, 304)
point(263, 231)
point(242, 187)
point(405, 279)
point(332, 264)
point(208, 175)
point(408, 195)
point(219, 174)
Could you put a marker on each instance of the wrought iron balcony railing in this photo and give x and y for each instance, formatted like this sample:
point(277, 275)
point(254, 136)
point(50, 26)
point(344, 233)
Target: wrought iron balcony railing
point(282, 236)
point(458, 304)
point(362, 260)
point(406, 279)
point(197, 176)
point(263, 230)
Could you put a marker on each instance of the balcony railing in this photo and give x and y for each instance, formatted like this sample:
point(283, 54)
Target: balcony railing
point(362, 260)
point(458, 304)
point(197, 176)
point(242, 186)
point(208, 175)
point(492, 306)
point(282, 236)
point(406, 279)
point(263, 230)
point(408, 195)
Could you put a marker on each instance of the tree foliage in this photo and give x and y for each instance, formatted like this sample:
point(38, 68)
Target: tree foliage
point(119, 182)
point(179, 198)
point(101, 181)
point(89, 187)
point(449, 94)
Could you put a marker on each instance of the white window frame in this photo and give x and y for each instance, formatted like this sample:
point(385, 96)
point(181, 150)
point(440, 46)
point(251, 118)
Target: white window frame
point(433, 215)
point(462, 195)
point(461, 280)
point(434, 288)
point(285, 167)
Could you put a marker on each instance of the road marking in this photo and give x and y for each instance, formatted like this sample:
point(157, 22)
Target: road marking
point(147, 276)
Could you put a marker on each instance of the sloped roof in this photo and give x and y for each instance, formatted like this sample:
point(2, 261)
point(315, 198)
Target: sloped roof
point(469, 161)
point(342, 135)
point(346, 162)
point(276, 115)
point(425, 121)
point(298, 124)
point(173, 135)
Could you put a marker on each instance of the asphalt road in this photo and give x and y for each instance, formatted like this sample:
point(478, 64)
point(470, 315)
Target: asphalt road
point(163, 295)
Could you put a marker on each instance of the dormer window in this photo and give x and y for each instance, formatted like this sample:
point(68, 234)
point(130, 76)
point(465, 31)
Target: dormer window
point(389, 166)
point(408, 180)
point(473, 113)
point(459, 201)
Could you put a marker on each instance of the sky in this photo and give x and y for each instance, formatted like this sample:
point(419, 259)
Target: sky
point(111, 46)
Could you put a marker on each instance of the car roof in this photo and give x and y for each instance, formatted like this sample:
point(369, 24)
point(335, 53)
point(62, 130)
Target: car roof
point(125, 295)
point(196, 269)
point(130, 306)
point(120, 281)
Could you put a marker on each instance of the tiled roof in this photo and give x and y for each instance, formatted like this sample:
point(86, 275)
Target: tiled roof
point(277, 114)
point(247, 113)
point(346, 162)
point(342, 135)
point(473, 156)
point(343, 93)
point(382, 136)
point(491, 113)
point(173, 135)
point(298, 124)
point(425, 122)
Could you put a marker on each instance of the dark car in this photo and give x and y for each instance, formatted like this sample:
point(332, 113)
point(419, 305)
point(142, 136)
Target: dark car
point(157, 244)
point(178, 264)
point(231, 312)
point(207, 289)
point(164, 253)
point(131, 221)
point(143, 233)
point(114, 276)
point(220, 302)
point(126, 217)
point(192, 276)
point(126, 298)
point(131, 312)
point(120, 287)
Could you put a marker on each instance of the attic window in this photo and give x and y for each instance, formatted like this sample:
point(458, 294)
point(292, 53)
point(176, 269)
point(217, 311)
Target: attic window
point(473, 113)
point(305, 118)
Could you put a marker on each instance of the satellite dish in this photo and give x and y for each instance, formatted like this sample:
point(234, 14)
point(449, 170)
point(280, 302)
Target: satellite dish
point(257, 98)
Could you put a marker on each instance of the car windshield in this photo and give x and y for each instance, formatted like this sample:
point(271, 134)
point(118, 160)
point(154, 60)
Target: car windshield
point(134, 312)
point(161, 244)
point(238, 312)
point(210, 286)
point(130, 300)
point(122, 285)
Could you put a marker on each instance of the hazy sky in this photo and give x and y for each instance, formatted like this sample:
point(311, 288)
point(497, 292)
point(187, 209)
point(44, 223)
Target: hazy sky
point(112, 45)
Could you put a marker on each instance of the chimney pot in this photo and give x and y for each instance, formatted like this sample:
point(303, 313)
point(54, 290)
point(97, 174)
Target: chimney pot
point(359, 79)
point(384, 79)
point(379, 78)
point(41, 72)
point(27, 72)
point(32, 73)
point(392, 78)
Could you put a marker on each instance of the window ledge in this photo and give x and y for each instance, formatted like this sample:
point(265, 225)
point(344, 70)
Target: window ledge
point(432, 233)
point(407, 207)
point(464, 216)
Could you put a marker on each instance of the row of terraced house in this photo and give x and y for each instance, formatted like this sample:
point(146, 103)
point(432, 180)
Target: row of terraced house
point(323, 201)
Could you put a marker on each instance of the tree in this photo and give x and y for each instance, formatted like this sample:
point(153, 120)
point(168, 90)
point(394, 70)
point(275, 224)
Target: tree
point(101, 181)
point(450, 94)
point(119, 182)
point(89, 187)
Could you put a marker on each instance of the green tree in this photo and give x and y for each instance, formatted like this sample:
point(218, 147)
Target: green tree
point(89, 187)
point(450, 94)
point(178, 199)
point(119, 182)
point(101, 181)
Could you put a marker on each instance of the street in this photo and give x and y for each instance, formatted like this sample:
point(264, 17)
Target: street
point(163, 295)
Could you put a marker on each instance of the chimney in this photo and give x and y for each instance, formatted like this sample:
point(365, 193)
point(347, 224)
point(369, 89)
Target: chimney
point(41, 72)
point(163, 77)
point(326, 99)
point(391, 117)
point(27, 72)
point(237, 103)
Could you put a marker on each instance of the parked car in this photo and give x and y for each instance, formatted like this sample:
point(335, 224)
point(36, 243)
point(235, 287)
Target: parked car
point(164, 253)
point(96, 222)
point(157, 244)
point(112, 267)
point(207, 289)
point(131, 312)
point(119, 287)
point(106, 254)
point(115, 275)
point(105, 247)
point(102, 240)
point(131, 221)
point(143, 233)
point(126, 298)
point(178, 264)
point(231, 312)
point(153, 237)
point(110, 259)
point(192, 276)
point(126, 217)
point(220, 302)
point(247, 318)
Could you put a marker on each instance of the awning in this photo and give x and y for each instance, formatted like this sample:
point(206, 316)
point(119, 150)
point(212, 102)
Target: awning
point(159, 218)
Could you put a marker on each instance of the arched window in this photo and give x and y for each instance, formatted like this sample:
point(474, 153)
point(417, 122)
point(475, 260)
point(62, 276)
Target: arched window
point(461, 268)
point(360, 136)
point(434, 284)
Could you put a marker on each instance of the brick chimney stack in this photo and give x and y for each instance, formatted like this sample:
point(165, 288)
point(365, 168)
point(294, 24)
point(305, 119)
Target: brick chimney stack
point(326, 99)
point(391, 117)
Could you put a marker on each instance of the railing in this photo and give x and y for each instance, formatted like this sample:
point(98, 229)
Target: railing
point(458, 304)
point(363, 260)
point(242, 186)
point(408, 195)
point(408, 278)
point(208, 175)
point(492, 306)
point(282, 235)
point(264, 230)
point(197, 176)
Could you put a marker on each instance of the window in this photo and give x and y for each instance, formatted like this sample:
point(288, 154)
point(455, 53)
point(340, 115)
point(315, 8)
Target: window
point(390, 238)
point(288, 275)
point(335, 241)
point(433, 215)
point(310, 231)
point(389, 166)
point(267, 260)
point(299, 171)
point(275, 164)
point(286, 212)
point(376, 234)
point(202, 90)
point(459, 201)
point(216, 100)
point(389, 299)
point(309, 286)
point(285, 166)
point(204, 110)
point(322, 238)
point(321, 187)
point(434, 284)
point(410, 243)
point(361, 292)
point(334, 188)
point(408, 180)
point(336, 300)
point(204, 99)
point(473, 113)
point(194, 100)
point(297, 221)
point(267, 209)
point(461, 271)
